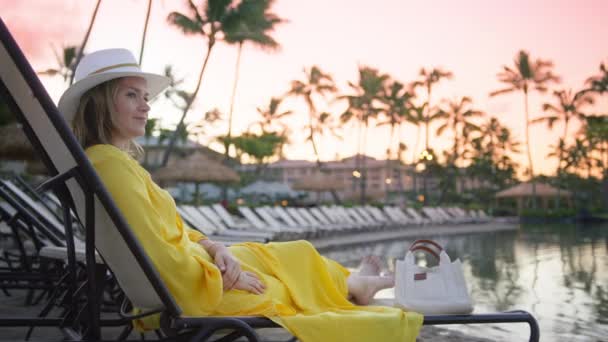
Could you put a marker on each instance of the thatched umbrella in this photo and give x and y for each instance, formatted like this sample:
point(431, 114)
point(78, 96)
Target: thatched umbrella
point(318, 184)
point(526, 190)
point(36, 167)
point(196, 168)
point(14, 145)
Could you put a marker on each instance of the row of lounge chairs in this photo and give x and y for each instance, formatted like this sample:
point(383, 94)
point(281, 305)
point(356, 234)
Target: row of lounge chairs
point(115, 273)
point(284, 223)
point(262, 224)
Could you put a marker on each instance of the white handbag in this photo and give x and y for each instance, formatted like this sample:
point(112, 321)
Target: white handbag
point(435, 290)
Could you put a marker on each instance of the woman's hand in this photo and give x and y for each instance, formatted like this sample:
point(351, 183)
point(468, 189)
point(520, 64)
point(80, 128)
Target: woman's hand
point(249, 281)
point(229, 266)
point(225, 261)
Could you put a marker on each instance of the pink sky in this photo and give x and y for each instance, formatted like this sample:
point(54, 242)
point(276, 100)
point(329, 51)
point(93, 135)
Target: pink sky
point(471, 38)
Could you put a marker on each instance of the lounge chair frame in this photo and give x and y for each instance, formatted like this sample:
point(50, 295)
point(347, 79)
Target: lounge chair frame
point(71, 170)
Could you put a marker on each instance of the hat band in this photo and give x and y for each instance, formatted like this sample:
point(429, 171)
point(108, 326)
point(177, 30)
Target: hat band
point(114, 67)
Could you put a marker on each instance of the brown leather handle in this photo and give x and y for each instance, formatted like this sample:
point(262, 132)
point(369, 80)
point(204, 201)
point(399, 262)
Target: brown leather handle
point(426, 249)
point(426, 241)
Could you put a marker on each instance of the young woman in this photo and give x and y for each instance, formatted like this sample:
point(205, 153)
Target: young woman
point(313, 297)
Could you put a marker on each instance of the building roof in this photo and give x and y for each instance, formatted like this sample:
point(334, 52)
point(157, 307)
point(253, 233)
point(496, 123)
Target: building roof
point(345, 163)
point(527, 190)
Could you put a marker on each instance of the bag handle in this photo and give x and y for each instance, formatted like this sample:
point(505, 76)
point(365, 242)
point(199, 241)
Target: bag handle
point(426, 241)
point(426, 249)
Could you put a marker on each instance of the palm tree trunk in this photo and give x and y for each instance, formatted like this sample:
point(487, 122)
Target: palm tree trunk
point(173, 138)
point(401, 160)
point(427, 117)
point(528, 151)
point(414, 153)
point(143, 37)
point(388, 160)
point(364, 165)
point(559, 165)
point(389, 150)
point(84, 41)
point(426, 122)
point(561, 150)
point(232, 98)
point(455, 147)
point(333, 192)
point(426, 134)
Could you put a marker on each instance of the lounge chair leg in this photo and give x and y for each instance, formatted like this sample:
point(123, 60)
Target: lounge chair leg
point(125, 333)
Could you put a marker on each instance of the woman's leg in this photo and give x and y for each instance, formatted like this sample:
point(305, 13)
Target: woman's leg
point(363, 286)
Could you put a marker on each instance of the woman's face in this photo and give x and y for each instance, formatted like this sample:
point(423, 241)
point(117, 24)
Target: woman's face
point(131, 107)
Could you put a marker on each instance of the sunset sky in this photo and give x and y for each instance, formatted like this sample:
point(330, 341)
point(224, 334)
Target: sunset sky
point(471, 38)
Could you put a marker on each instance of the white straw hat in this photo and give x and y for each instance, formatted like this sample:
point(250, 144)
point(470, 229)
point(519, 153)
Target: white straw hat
point(101, 66)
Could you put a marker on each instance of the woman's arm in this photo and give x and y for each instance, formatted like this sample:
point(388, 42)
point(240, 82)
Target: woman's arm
point(232, 276)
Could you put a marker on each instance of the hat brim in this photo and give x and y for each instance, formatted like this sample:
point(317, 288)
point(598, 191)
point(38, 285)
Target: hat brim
point(68, 104)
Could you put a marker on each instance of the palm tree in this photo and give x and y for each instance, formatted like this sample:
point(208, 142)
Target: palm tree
point(209, 24)
point(507, 145)
point(491, 152)
point(363, 106)
point(599, 83)
point(457, 117)
point(143, 36)
point(527, 74)
point(323, 123)
point(251, 22)
point(316, 83)
point(85, 40)
point(595, 130)
point(65, 63)
point(567, 108)
point(397, 102)
point(152, 126)
point(428, 78)
point(271, 115)
point(577, 155)
point(417, 119)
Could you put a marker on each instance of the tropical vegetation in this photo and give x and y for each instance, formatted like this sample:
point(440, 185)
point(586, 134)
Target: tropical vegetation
point(480, 160)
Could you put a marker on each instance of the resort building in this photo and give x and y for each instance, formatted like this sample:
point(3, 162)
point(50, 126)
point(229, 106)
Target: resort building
point(377, 177)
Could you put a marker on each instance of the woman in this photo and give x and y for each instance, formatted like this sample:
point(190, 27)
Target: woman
point(289, 282)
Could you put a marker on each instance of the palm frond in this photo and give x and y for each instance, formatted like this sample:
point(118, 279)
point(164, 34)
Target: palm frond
point(187, 25)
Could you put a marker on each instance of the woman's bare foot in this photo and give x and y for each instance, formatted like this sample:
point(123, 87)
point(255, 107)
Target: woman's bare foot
point(371, 265)
point(362, 288)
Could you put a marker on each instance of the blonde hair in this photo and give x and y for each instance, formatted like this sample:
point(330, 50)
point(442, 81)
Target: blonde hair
point(93, 123)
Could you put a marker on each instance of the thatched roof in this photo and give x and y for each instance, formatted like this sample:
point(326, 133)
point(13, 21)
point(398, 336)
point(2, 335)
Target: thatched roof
point(196, 168)
point(14, 145)
point(318, 183)
point(36, 167)
point(526, 190)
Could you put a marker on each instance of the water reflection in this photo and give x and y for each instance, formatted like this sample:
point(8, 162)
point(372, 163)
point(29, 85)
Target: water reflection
point(559, 273)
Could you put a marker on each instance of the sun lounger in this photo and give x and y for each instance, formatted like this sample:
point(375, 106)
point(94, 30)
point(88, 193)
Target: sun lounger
point(197, 221)
point(268, 218)
point(282, 213)
point(245, 235)
point(232, 221)
point(106, 229)
point(417, 216)
point(257, 222)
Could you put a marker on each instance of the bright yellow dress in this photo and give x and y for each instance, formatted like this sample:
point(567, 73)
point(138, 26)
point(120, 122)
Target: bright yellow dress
point(305, 292)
